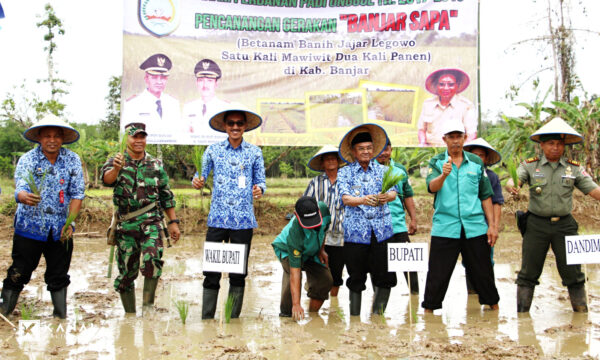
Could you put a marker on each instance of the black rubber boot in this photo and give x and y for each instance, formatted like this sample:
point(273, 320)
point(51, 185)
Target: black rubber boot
point(128, 301)
point(59, 300)
point(9, 301)
point(578, 299)
point(382, 295)
point(237, 292)
point(209, 303)
point(355, 299)
point(524, 298)
point(149, 291)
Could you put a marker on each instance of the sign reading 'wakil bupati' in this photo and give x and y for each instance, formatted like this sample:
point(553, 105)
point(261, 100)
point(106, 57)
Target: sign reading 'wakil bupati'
point(582, 249)
point(223, 257)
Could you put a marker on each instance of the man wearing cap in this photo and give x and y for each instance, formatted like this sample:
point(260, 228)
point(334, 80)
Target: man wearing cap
point(367, 218)
point(41, 216)
point(490, 157)
point(404, 200)
point(159, 111)
point(462, 205)
point(298, 247)
point(238, 179)
point(197, 113)
point(447, 105)
point(551, 178)
point(141, 194)
point(325, 188)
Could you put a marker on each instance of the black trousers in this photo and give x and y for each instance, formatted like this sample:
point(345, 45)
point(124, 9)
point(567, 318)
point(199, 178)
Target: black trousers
point(26, 254)
point(443, 255)
point(336, 263)
point(244, 236)
point(411, 277)
point(370, 258)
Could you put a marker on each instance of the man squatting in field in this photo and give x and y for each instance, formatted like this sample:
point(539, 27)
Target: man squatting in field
point(141, 189)
point(238, 179)
point(40, 218)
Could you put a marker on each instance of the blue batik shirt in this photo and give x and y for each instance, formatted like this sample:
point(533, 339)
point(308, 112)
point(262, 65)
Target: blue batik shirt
point(63, 182)
point(360, 221)
point(235, 172)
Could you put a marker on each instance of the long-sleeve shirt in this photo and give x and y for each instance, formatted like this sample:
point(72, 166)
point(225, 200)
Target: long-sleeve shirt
point(235, 172)
point(63, 181)
point(322, 189)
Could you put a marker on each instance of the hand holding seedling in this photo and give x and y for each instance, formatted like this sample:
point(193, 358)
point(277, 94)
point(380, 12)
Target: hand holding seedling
point(370, 200)
point(28, 198)
point(198, 183)
point(118, 161)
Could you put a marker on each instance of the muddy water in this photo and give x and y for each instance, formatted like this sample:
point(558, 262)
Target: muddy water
point(97, 327)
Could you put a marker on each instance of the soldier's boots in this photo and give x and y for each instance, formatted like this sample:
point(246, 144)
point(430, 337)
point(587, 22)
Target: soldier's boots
point(149, 291)
point(578, 299)
point(59, 300)
point(9, 301)
point(355, 300)
point(209, 303)
point(237, 293)
point(128, 301)
point(524, 298)
point(382, 295)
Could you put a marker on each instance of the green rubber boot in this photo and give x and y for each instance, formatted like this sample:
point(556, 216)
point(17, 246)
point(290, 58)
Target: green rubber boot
point(149, 291)
point(9, 301)
point(128, 300)
point(524, 298)
point(578, 299)
point(59, 300)
point(209, 303)
point(237, 292)
point(355, 300)
point(382, 295)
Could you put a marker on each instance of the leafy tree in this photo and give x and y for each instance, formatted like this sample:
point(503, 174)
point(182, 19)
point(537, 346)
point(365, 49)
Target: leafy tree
point(111, 125)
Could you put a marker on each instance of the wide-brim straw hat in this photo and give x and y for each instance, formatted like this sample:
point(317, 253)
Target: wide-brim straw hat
point(462, 79)
point(316, 162)
point(493, 156)
point(558, 126)
point(252, 119)
point(70, 135)
point(378, 135)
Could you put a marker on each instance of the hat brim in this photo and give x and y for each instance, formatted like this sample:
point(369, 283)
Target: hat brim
point(217, 123)
point(70, 135)
point(311, 222)
point(378, 135)
point(316, 162)
point(462, 79)
point(493, 156)
point(569, 139)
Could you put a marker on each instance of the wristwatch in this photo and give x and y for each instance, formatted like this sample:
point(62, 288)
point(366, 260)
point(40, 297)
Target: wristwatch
point(176, 221)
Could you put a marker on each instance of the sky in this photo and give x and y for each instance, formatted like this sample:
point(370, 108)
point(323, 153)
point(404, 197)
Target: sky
point(90, 52)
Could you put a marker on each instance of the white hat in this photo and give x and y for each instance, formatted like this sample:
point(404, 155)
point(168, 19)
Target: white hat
point(450, 126)
point(316, 162)
point(70, 135)
point(493, 156)
point(558, 126)
point(378, 136)
point(217, 121)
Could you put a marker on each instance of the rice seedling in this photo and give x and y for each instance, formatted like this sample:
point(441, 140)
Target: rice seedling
point(28, 310)
point(390, 179)
point(511, 166)
point(63, 236)
point(340, 313)
point(197, 158)
point(183, 308)
point(111, 258)
point(30, 180)
point(123, 144)
point(414, 316)
point(381, 313)
point(229, 308)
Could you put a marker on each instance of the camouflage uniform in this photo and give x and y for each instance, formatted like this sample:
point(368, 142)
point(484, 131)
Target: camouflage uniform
point(139, 183)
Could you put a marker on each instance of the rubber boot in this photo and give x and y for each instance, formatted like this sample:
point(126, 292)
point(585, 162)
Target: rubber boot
point(59, 300)
point(237, 293)
point(128, 300)
point(209, 303)
point(149, 291)
point(382, 295)
point(355, 299)
point(578, 300)
point(524, 298)
point(9, 301)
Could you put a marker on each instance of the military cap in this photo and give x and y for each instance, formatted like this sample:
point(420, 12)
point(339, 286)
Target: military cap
point(157, 64)
point(207, 68)
point(135, 128)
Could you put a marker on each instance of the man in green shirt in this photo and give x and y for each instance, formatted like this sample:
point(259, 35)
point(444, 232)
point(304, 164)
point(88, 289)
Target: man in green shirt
point(551, 178)
point(299, 247)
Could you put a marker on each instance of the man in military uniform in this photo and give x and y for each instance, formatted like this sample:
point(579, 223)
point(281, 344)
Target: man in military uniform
point(197, 113)
point(551, 178)
point(159, 111)
point(141, 194)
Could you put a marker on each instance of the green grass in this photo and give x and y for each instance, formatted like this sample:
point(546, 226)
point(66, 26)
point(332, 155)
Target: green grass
point(28, 310)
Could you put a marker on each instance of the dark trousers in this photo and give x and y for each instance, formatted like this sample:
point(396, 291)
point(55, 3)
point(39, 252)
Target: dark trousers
point(540, 235)
point(443, 255)
point(26, 254)
point(318, 283)
point(244, 236)
point(336, 263)
point(414, 279)
point(370, 258)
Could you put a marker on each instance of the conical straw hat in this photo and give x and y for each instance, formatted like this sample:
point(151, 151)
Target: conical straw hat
point(493, 156)
point(316, 162)
point(253, 119)
point(378, 135)
point(558, 126)
point(70, 135)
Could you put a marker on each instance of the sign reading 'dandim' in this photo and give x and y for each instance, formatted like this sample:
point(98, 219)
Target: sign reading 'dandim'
point(223, 257)
point(408, 256)
point(582, 249)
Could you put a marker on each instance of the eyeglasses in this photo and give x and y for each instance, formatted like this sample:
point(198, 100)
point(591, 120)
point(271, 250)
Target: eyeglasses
point(233, 123)
point(364, 148)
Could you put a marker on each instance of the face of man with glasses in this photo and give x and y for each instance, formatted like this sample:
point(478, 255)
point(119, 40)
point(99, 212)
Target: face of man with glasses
point(363, 152)
point(235, 125)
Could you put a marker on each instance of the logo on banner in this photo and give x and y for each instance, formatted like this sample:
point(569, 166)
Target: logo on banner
point(159, 17)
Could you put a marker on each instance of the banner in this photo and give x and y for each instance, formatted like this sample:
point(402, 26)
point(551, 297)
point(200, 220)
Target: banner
point(408, 257)
point(224, 257)
point(582, 249)
point(311, 68)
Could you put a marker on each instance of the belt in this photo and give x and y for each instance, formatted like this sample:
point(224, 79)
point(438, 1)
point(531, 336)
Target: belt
point(551, 218)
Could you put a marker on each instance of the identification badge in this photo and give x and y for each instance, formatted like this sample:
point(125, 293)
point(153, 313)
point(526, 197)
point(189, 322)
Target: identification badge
point(242, 182)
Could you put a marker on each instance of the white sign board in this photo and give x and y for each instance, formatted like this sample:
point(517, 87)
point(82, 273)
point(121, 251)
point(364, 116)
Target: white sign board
point(224, 257)
point(582, 249)
point(408, 256)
